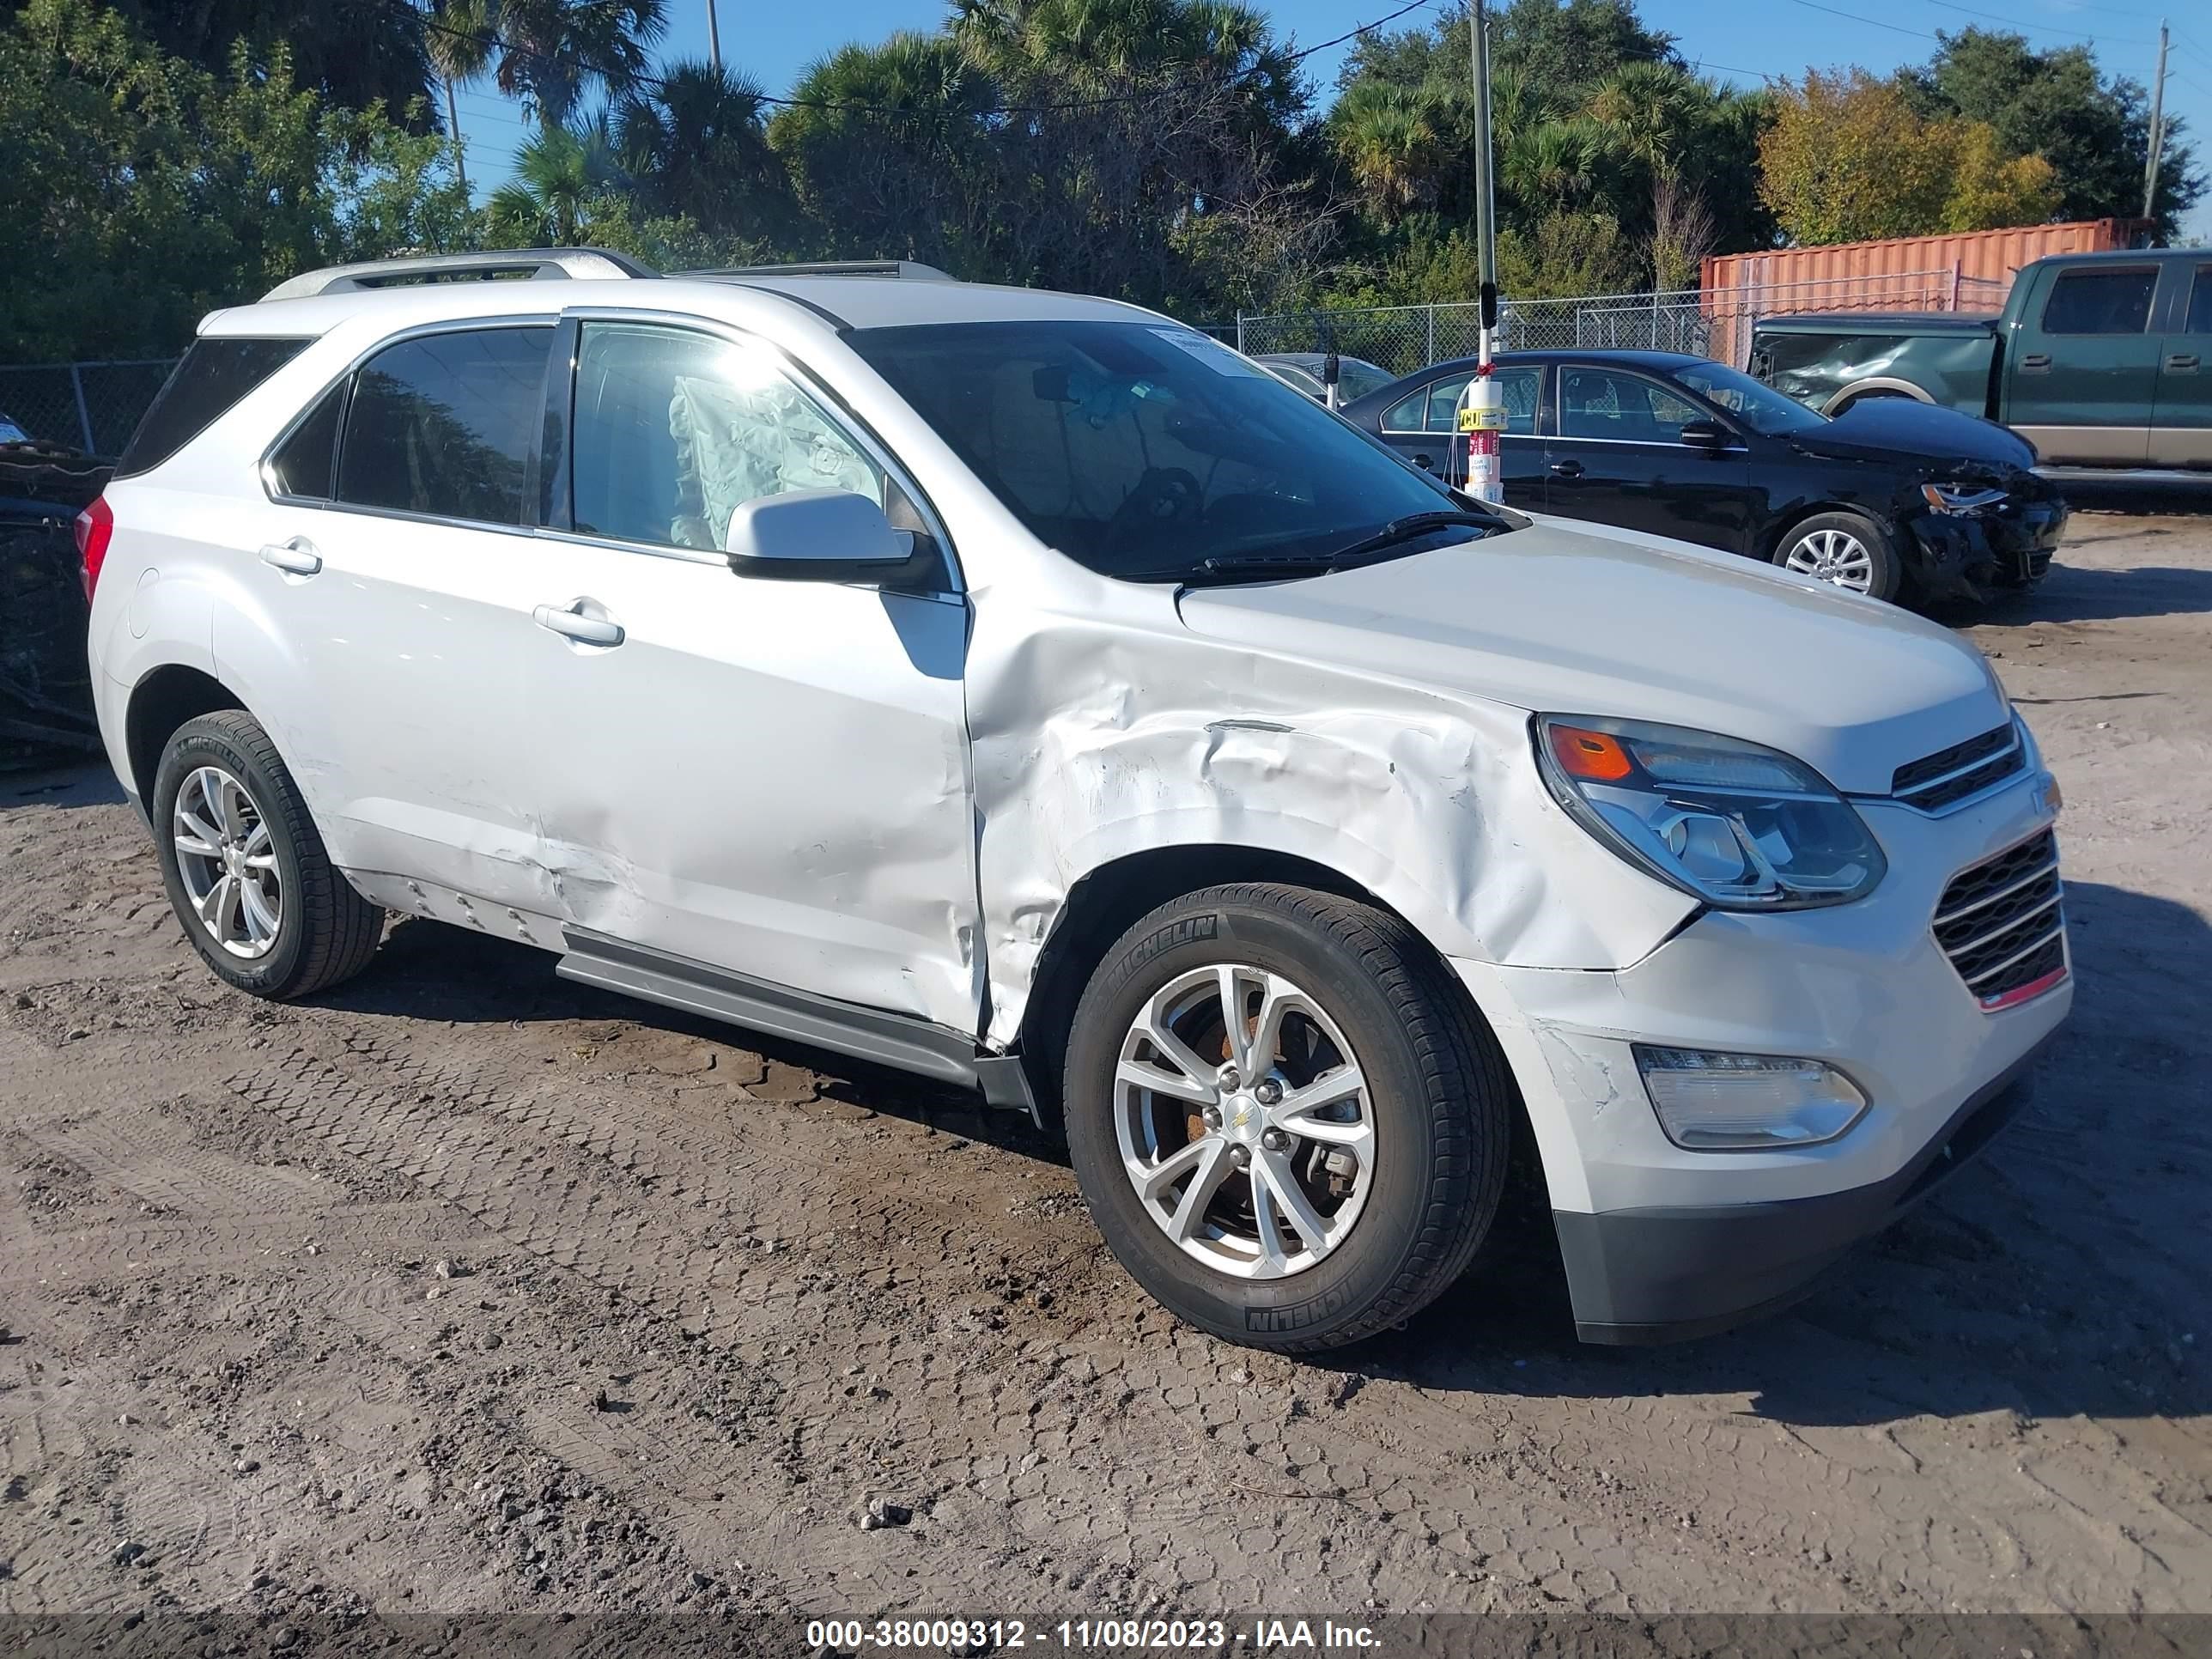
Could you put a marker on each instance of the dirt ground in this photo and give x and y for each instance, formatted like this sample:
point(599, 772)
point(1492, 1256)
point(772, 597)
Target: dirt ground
point(466, 1288)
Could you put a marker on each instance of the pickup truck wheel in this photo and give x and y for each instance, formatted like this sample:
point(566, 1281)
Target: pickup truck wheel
point(1847, 549)
point(1287, 1120)
point(245, 867)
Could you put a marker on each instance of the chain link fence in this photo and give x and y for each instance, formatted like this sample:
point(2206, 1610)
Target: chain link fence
point(94, 407)
point(1716, 324)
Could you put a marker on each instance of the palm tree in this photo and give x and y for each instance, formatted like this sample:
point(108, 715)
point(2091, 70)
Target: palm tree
point(457, 39)
point(1655, 109)
point(1558, 164)
point(1388, 136)
point(696, 144)
point(559, 174)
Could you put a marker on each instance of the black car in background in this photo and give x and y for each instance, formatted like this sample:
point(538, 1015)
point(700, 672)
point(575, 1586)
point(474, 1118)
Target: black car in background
point(1893, 498)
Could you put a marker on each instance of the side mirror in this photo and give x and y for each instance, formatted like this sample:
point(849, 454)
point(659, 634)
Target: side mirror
point(1703, 434)
point(819, 536)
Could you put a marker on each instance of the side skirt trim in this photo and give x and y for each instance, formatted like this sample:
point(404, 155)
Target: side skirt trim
point(898, 1041)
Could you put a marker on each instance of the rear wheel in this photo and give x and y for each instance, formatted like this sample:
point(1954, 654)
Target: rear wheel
point(1848, 550)
point(1286, 1117)
point(245, 867)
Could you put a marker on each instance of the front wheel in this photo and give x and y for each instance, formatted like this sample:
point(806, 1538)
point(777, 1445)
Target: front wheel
point(1287, 1120)
point(1848, 550)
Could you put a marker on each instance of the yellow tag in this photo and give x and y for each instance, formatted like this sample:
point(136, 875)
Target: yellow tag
point(1471, 419)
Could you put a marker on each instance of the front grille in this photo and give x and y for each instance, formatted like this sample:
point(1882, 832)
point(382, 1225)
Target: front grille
point(1950, 776)
point(2004, 923)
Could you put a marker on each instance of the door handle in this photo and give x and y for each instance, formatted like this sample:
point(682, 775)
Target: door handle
point(1567, 469)
point(572, 624)
point(2182, 361)
point(2035, 360)
point(296, 557)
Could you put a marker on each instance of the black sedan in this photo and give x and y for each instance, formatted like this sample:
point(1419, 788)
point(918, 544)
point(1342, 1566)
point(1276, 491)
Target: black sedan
point(1893, 498)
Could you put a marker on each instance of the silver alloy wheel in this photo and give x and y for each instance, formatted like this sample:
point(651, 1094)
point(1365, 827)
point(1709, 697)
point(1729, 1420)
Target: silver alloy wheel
point(228, 861)
point(1258, 1163)
point(1833, 555)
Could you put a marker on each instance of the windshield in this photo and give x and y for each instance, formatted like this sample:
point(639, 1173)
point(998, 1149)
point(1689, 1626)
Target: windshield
point(1757, 404)
point(1145, 450)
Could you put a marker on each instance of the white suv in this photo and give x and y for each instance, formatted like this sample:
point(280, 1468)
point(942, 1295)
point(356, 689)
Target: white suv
point(1027, 691)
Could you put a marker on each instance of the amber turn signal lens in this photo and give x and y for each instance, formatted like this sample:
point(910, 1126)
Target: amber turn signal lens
point(1593, 756)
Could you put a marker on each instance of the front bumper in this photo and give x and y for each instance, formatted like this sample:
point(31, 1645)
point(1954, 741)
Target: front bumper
point(1969, 556)
point(1664, 1275)
point(1661, 1241)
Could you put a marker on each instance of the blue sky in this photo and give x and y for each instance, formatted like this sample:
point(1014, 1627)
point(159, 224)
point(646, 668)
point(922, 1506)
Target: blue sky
point(1738, 40)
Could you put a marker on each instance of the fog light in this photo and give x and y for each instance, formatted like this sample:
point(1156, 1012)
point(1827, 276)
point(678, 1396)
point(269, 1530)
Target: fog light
point(1713, 1102)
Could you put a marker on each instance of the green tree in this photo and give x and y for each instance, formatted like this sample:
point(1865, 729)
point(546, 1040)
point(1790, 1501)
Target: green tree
point(1847, 159)
point(162, 191)
point(2094, 132)
point(354, 53)
point(696, 144)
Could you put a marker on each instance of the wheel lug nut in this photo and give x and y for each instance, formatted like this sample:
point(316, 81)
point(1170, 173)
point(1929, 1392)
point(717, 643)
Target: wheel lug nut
point(1275, 1141)
point(1211, 1117)
point(1229, 1077)
point(1268, 1092)
point(1240, 1156)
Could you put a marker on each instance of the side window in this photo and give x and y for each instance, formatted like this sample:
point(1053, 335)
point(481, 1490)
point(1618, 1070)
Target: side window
point(305, 464)
point(1600, 403)
point(444, 425)
point(2100, 302)
point(1518, 387)
point(674, 431)
point(1408, 413)
point(1443, 404)
point(2199, 320)
point(215, 374)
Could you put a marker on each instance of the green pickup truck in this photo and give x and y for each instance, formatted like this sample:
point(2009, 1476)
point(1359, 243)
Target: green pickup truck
point(2096, 358)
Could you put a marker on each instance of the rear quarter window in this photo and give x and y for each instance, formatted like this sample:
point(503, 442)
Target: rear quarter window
point(215, 374)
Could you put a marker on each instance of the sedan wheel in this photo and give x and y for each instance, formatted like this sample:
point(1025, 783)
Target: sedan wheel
point(1833, 555)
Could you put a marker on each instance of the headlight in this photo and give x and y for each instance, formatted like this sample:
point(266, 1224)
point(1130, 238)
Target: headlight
point(1959, 497)
point(1736, 825)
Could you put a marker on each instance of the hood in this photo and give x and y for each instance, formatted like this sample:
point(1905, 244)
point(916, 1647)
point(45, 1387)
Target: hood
point(1583, 619)
point(1935, 443)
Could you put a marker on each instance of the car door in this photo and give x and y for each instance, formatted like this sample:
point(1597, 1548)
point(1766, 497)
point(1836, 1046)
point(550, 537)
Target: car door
point(1616, 456)
point(769, 777)
point(391, 614)
point(2181, 419)
point(1424, 427)
point(2081, 369)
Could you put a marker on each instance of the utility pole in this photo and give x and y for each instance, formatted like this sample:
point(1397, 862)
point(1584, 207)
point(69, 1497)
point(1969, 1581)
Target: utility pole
point(2157, 127)
point(714, 37)
point(1481, 410)
point(453, 131)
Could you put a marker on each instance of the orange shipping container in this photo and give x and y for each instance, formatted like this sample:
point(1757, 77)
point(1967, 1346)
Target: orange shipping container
point(1979, 255)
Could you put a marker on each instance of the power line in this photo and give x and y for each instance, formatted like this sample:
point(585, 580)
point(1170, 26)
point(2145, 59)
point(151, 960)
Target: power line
point(2045, 29)
point(1871, 22)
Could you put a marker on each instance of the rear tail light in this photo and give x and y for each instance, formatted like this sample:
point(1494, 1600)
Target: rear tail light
point(95, 528)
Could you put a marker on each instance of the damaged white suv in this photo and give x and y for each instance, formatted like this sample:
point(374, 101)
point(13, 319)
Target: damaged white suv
point(1029, 692)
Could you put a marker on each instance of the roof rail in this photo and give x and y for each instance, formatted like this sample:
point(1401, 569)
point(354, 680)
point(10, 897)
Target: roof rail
point(906, 270)
point(526, 263)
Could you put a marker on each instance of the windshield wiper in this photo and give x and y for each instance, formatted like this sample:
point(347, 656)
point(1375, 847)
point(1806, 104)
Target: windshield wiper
point(1407, 528)
point(1262, 566)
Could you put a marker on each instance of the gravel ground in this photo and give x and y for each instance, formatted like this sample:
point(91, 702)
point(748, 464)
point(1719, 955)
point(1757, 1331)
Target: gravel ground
point(467, 1289)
